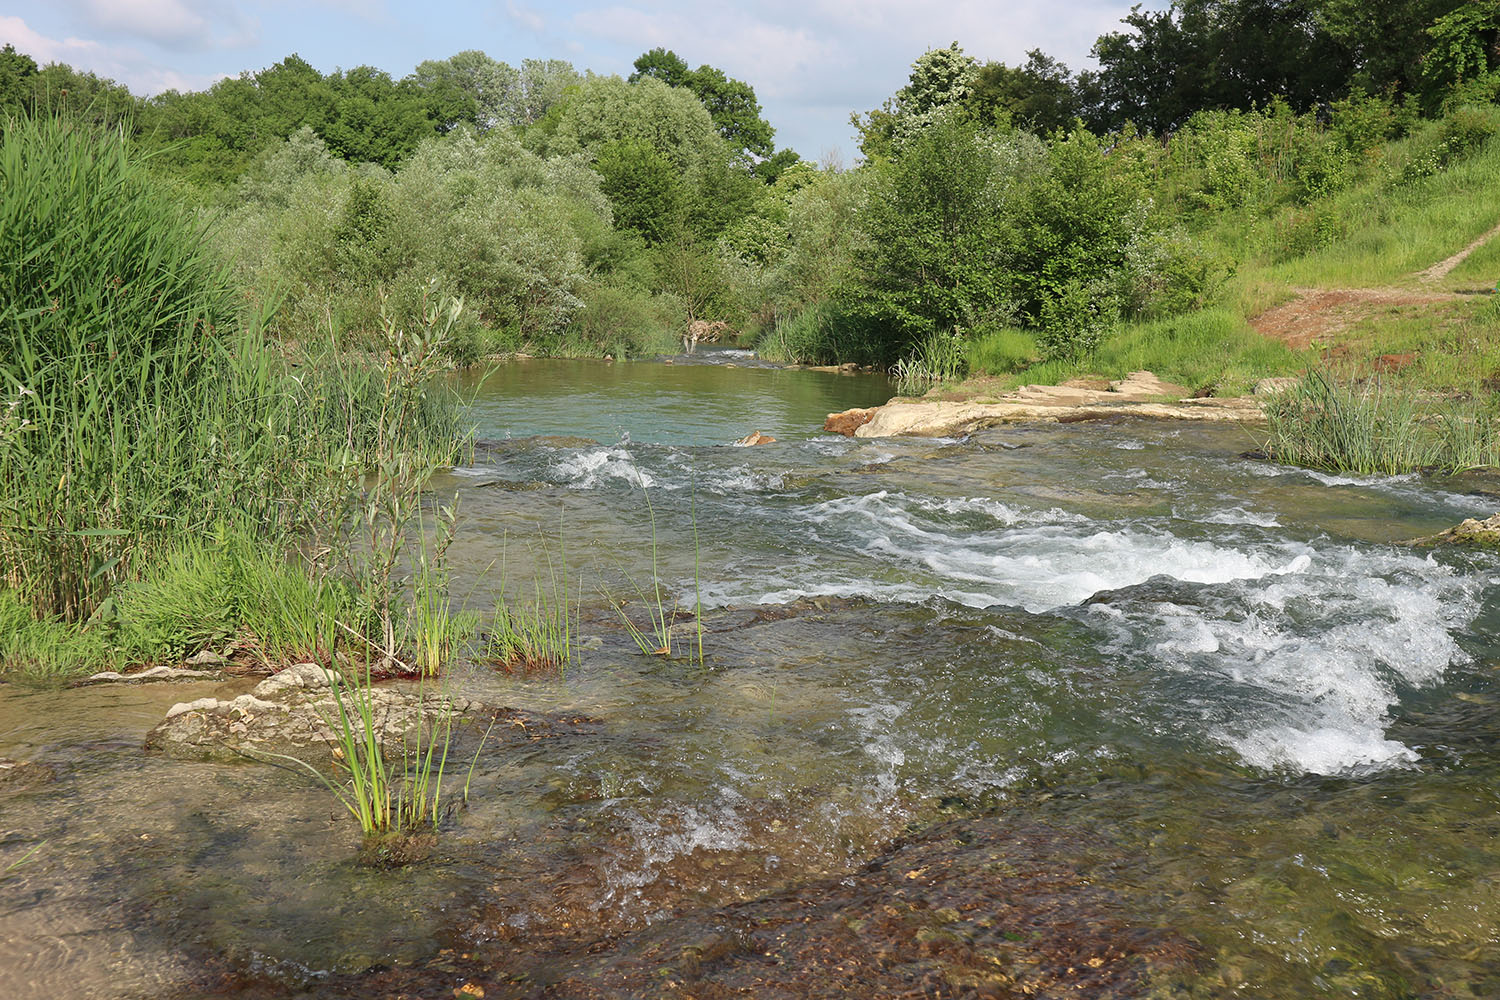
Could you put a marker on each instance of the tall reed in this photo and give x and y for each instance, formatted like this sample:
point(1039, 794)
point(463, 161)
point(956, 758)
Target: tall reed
point(1373, 428)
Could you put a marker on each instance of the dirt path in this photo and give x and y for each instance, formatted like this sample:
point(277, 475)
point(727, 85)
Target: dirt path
point(1443, 268)
point(1319, 313)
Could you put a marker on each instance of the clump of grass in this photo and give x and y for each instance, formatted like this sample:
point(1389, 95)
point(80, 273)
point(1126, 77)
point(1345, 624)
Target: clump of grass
point(44, 648)
point(1370, 428)
point(1001, 350)
point(536, 634)
point(654, 637)
point(388, 790)
point(135, 410)
point(939, 357)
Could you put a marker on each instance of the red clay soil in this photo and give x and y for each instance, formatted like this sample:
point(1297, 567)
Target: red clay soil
point(1320, 313)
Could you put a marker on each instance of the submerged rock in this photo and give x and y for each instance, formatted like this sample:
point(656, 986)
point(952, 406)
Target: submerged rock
point(1473, 532)
point(161, 673)
point(16, 775)
point(293, 713)
point(754, 438)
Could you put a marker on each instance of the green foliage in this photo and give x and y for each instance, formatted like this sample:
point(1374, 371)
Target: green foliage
point(825, 333)
point(941, 82)
point(1001, 350)
point(47, 648)
point(1373, 429)
point(940, 238)
point(624, 322)
point(938, 357)
point(730, 103)
point(205, 593)
point(1039, 95)
point(535, 634)
point(644, 188)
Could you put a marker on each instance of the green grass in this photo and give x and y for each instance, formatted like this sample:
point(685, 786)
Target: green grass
point(1371, 428)
point(535, 634)
point(1001, 350)
point(1387, 232)
point(388, 789)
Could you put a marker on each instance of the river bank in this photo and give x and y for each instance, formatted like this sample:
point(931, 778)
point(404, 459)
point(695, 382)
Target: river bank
point(974, 716)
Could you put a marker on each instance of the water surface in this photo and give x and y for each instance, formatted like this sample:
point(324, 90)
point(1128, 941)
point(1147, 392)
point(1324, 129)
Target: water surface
point(1221, 672)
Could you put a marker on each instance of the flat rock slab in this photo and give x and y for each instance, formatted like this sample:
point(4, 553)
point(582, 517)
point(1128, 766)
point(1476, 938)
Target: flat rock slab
point(294, 712)
point(1141, 394)
point(154, 674)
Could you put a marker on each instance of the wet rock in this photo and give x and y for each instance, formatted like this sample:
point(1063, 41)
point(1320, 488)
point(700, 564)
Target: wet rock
point(397, 850)
point(513, 485)
point(847, 421)
point(18, 775)
point(292, 713)
point(502, 446)
point(161, 673)
point(1473, 532)
point(754, 438)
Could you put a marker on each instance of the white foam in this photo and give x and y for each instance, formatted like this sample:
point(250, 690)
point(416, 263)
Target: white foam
point(588, 469)
point(1305, 667)
point(1037, 560)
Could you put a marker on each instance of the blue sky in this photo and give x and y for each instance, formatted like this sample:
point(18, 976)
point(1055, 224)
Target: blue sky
point(811, 62)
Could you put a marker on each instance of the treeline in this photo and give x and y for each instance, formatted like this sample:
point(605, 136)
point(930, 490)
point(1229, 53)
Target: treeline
point(1224, 55)
point(1026, 210)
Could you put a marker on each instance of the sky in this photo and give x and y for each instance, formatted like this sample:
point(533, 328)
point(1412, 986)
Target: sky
point(812, 62)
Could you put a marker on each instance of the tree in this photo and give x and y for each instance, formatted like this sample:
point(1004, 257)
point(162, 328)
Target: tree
point(1039, 95)
point(643, 187)
point(938, 239)
point(1465, 44)
point(730, 103)
point(605, 109)
point(940, 79)
point(1214, 54)
point(664, 65)
point(17, 71)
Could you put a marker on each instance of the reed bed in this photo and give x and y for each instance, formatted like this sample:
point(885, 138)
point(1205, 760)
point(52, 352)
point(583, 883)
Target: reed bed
point(1373, 428)
point(150, 437)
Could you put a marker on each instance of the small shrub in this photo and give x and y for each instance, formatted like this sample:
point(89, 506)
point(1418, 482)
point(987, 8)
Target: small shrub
point(1075, 320)
point(938, 357)
point(1372, 429)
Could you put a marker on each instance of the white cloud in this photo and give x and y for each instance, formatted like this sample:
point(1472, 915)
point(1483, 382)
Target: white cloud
point(526, 17)
point(812, 62)
point(180, 25)
point(120, 63)
point(166, 22)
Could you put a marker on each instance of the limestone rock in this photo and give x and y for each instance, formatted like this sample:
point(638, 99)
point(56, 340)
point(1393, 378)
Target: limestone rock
point(1473, 532)
point(754, 438)
point(160, 673)
point(293, 713)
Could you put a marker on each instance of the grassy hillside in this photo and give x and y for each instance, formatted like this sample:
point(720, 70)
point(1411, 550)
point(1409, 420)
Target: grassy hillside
point(1341, 281)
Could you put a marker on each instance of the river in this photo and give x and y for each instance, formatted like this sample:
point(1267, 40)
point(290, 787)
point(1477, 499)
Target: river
point(1190, 714)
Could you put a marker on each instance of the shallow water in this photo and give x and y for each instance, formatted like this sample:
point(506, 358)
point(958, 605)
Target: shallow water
point(1221, 672)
